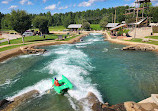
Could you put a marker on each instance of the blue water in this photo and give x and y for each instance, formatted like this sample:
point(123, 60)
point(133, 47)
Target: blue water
point(94, 65)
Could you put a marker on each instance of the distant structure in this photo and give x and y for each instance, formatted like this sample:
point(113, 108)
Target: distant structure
point(140, 5)
point(75, 27)
point(27, 33)
point(111, 25)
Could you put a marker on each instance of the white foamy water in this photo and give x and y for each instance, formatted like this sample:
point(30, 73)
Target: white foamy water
point(74, 65)
point(42, 86)
point(29, 55)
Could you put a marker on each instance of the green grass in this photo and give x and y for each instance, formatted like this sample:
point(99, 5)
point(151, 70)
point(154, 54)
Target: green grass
point(30, 39)
point(10, 47)
point(135, 40)
point(57, 28)
point(7, 30)
point(1, 38)
point(152, 37)
point(95, 27)
point(140, 41)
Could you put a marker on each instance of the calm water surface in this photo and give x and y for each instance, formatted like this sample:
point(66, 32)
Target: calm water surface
point(94, 65)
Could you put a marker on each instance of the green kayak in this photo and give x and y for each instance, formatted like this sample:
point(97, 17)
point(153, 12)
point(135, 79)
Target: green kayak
point(65, 85)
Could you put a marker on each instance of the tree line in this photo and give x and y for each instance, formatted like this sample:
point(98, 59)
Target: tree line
point(17, 19)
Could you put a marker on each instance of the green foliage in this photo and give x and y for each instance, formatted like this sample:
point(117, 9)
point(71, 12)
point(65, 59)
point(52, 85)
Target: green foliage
point(6, 22)
point(85, 24)
point(153, 12)
point(104, 22)
point(56, 28)
point(66, 20)
point(41, 22)
point(95, 27)
point(126, 31)
point(1, 16)
point(20, 21)
point(49, 17)
point(120, 33)
point(152, 37)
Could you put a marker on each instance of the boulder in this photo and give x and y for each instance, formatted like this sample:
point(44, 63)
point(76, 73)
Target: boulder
point(21, 99)
point(32, 50)
point(132, 106)
point(141, 47)
point(4, 103)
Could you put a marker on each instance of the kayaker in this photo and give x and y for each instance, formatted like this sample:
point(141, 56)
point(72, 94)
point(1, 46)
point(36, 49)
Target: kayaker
point(56, 83)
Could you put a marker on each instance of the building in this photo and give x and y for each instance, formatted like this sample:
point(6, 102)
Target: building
point(27, 33)
point(111, 25)
point(75, 27)
point(154, 27)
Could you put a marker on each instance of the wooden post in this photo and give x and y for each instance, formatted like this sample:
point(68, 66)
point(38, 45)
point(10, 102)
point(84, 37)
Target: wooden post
point(143, 12)
point(115, 16)
point(136, 21)
point(112, 18)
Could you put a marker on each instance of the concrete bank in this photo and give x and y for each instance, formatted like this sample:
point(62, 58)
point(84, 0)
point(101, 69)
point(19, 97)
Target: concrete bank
point(108, 37)
point(17, 51)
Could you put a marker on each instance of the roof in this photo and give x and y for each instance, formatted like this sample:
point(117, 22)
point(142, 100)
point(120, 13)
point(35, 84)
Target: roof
point(122, 25)
point(153, 24)
point(140, 21)
point(75, 26)
point(111, 25)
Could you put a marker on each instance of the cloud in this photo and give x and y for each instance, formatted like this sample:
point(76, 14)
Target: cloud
point(5, 2)
point(22, 2)
point(58, 3)
point(51, 7)
point(13, 6)
point(44, 1)
point(29, 3)
point(63, 7)
point(89, 3)
point(156, 4)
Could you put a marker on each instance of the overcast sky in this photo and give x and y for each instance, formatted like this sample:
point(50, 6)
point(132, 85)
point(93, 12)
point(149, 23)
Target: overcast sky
point(61, 6)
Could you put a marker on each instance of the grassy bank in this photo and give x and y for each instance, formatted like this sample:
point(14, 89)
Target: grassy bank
point(95, 27)
point(140, 41)
point(152, 37)
point(32, 40)
point(57, 28)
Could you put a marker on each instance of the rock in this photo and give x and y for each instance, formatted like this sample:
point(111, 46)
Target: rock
point(4, 103)
point(132, 106)
point(146, 40)
point(118, 107)
point(21, 99)
point(139, 47)
point(89, 101)
point(97, 107)
point(148, 106)
point(31, 50)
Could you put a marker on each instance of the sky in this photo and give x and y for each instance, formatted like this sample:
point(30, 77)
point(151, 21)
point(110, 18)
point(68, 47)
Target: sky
point(62, 6)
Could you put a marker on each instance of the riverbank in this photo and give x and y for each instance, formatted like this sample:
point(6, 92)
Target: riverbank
point(4, 55)
point(117, 41)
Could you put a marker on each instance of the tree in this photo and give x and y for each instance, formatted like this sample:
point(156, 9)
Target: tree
point(20, 21)
point(41, 22)
point(1, 16)
point(103, 22)
point(49, 17)
point(6, 22)
point(85, 24)
point(66, 20)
